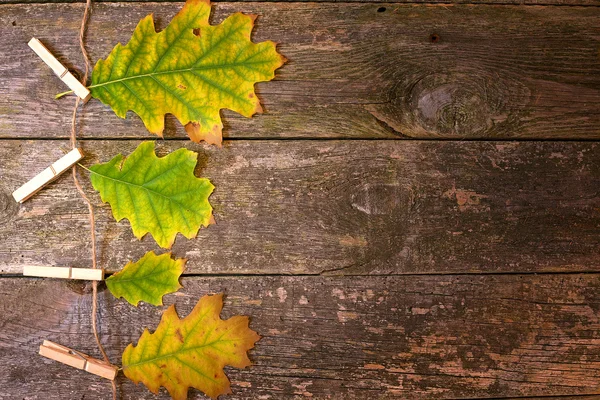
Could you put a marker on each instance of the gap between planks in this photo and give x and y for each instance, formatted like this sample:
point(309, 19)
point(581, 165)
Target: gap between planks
point(326, 274)
point(311, 139)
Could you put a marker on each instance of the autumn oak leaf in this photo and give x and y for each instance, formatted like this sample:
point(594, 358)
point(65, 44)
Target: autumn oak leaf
point(148, 279)
point(191, 352)
point(160, 196)
point(191, 70)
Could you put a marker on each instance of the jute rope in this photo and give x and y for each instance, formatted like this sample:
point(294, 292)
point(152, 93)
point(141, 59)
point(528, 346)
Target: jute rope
point(86, 57)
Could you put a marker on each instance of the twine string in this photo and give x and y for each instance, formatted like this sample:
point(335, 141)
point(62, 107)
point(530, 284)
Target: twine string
point(86, 57)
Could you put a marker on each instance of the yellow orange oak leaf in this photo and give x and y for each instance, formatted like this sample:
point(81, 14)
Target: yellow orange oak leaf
point(191, 70)
point(191, 352)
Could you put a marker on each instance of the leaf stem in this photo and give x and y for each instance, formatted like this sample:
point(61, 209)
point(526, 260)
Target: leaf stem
point(86, 168)
point(58, 96)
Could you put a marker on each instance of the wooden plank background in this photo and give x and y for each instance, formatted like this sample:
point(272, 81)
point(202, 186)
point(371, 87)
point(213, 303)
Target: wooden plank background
point(585, 3)
point(351, 207)
point(460, 72)
point(415, 216)
point(339, 337)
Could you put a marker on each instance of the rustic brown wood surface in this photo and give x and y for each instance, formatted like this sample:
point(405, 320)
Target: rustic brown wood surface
point(441, 2)
point(343, 207)
point(468, 257)
point(410, 71)
point(336, 337)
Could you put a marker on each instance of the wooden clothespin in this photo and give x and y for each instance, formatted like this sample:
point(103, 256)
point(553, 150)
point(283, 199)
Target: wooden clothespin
point(87, 274)
point(78, 360)
point(59, 69)
point(48, 175)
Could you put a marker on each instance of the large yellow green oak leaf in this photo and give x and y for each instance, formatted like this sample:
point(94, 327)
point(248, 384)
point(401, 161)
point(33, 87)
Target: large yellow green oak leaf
point(191, 70)
point(160, 196)
point(191, 352)
point(148, 279)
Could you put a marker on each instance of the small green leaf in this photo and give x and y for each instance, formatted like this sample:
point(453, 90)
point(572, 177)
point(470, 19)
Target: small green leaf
point(160, 196)
point(147, 279)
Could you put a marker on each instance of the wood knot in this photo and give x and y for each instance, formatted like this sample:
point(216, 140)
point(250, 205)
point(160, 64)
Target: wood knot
point(385, 206)
point(463, 104)
point(458, 102)
point(381, 199)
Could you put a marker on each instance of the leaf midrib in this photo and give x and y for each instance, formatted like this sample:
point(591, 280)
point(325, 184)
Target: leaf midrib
point(138, 277)
point(141, 187)
point(184, 349)
point(181, 351)
point(175, 71)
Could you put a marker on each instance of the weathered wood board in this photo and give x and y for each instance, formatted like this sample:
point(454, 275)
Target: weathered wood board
point(335, 337)
point(409, 71)
point(435, 2)
point(342, 207)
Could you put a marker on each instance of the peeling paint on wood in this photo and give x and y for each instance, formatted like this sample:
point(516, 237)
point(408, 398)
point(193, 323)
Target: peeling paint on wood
point(482, 336)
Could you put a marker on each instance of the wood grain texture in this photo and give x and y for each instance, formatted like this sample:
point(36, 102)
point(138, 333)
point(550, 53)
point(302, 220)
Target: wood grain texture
point(341, 207)
point(409, 71)
point(576, 397)
point(341, 338)
point(594, 3)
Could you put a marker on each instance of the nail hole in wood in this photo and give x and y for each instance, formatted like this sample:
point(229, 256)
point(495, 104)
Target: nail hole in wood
point(381, 9)
point(434, 38)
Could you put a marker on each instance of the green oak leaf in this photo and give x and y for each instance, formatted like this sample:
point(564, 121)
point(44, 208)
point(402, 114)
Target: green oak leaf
point(160, 196)
point(148, 279)
point(191, 70)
